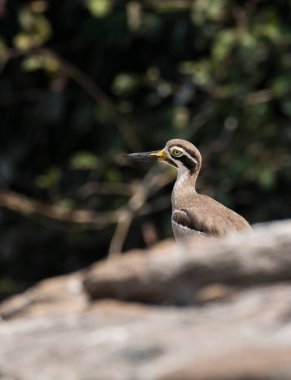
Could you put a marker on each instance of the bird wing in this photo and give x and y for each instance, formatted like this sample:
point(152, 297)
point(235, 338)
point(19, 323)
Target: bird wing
point(209, 217)
point(183, 218)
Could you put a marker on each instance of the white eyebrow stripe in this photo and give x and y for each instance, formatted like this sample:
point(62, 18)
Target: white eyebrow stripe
point(186, 154)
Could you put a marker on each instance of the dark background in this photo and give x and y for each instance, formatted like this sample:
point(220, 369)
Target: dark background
point(83, 82)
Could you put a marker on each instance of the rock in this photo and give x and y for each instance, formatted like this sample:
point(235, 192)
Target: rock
point(248, 337)
point(236, 323)
point(174, 274)
point(57, 295)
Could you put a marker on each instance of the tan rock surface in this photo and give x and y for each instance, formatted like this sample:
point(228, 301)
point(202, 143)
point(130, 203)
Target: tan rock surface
point(178, 275)
point(236, 325)
point(56, 295)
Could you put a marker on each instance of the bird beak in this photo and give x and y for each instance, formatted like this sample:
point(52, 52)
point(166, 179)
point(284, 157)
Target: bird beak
point(157, 155)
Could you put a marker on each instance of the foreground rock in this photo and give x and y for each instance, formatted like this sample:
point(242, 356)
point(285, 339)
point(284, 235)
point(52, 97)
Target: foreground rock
point(182, 275)
point(55, 296)
point(237, 324)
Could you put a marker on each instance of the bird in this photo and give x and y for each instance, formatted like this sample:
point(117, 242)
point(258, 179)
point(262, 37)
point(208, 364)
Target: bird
point(192, 213)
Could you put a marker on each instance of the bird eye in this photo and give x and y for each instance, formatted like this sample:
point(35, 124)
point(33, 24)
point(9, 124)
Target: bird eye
point(176, 153)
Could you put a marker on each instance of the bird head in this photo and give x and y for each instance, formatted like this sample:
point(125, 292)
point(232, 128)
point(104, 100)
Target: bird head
point(180, 154)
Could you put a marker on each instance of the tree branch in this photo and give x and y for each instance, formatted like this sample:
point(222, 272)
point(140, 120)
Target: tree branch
point(27, 206)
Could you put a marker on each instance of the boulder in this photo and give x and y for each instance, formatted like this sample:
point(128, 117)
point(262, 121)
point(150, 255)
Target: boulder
point(190, 274)
point(213, 309)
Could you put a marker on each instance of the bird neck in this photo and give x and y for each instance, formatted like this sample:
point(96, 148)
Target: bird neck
point(185, 183)
point(187, 178)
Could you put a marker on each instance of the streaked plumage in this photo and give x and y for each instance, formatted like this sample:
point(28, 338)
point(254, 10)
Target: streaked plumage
point(193, 213)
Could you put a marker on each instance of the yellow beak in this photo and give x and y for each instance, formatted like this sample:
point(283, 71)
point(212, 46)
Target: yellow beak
point(159, 154)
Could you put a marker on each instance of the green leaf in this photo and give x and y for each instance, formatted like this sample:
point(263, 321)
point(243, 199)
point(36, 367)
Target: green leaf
point(99, 8)
point(113, 175)
point(35, 30)
point(213, 10)
point(49, 179)
point(125, 84)
point(266, 177)
point(66, 204)
point(281, 85)
point(223, 44)
point(84, 161)
point(37, 62)
point(200, 69)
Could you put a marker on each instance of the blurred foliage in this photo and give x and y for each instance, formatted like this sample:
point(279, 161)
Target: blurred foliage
point(84, 81)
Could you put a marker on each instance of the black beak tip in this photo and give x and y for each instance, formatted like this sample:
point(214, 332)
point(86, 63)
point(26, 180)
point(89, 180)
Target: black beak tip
point(125, 155)
point(140, 157)
point(131, 156)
